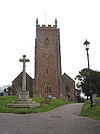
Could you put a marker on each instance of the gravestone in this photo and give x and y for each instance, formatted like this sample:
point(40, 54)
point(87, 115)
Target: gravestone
point(97, 102)
point(94, 98)
point(23, 100)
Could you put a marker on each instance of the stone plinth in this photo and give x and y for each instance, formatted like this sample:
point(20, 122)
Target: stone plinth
point(23, 101)
point(23, 95)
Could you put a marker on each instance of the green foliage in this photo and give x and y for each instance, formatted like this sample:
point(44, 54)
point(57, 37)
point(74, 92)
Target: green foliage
point(4, 100)
point(88, 80)
point(8, 90)
point(91, 112)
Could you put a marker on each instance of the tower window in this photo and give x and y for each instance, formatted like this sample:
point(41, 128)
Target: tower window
point(46, 41)
point(46, 38)
point(46, 71)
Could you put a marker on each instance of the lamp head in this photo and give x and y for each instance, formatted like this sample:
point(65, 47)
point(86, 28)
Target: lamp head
point(86, 44)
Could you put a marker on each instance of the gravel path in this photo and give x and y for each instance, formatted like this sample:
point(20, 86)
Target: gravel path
point(62, 120)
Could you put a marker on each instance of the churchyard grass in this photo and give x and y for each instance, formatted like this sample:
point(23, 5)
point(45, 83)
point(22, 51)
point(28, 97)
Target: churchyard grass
point(98, 98)
point(90, 112)
point(4, 100)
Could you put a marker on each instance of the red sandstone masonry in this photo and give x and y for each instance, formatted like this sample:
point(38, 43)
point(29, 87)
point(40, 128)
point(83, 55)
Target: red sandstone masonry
point(47, 57)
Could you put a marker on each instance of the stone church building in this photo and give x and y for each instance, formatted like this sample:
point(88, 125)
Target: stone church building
point(48, 79)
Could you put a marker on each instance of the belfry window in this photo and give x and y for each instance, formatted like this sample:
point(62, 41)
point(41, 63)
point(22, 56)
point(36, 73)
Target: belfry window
point(46, 41)
point(47, 71)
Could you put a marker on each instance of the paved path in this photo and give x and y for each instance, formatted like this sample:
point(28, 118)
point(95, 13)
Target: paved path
point(63, 120)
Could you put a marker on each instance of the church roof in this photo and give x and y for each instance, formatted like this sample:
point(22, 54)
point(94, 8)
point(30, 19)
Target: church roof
point(67, 76)
point(20, 76)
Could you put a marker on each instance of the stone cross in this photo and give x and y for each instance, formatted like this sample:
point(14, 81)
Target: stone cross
point(24, 60)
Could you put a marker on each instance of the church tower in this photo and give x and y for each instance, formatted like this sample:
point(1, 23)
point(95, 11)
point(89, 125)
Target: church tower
point(47, 61)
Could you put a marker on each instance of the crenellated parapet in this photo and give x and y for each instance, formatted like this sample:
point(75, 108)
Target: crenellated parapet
point(46, 27)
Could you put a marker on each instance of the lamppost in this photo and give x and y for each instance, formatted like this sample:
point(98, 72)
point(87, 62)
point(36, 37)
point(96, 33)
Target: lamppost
point(87, 45)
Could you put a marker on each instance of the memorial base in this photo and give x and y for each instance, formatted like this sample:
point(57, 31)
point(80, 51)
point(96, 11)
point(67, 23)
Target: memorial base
point(23, 101)
point(23, 95)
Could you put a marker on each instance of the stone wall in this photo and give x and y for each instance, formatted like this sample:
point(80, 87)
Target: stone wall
point(68, 87)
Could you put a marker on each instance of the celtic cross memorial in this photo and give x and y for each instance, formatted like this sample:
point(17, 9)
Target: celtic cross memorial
point(23, 94)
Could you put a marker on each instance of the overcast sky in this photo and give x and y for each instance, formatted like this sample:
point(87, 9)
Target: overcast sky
point(77, 19)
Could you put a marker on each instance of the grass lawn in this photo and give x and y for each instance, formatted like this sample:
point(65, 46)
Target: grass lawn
point(91, 112)
point(98, 98)
point(4, 100)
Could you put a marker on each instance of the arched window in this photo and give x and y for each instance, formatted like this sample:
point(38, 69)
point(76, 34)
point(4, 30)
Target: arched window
point(47, 88)
point(67, 88)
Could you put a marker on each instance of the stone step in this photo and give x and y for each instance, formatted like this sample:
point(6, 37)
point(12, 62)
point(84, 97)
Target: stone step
point(24, 105)
point(23, 102)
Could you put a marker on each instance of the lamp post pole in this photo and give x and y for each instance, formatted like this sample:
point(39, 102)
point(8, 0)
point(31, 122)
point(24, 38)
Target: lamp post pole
point(87, 45)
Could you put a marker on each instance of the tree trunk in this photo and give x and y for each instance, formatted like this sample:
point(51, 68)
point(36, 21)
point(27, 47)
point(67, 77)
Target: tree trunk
point(87, 97)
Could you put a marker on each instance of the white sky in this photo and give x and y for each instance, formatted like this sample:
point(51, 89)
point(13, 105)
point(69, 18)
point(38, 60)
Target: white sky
point(77, 20)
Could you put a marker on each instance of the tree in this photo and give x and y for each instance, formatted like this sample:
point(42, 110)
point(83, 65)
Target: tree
point(5, 90)
point(8, 90)
point(78, 95)
point(88, 80)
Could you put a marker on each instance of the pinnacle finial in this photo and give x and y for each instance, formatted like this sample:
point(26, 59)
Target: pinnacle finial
point(36, 21)
point(56, 21)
